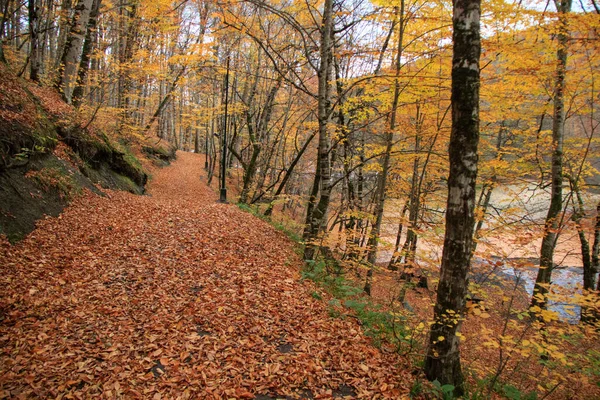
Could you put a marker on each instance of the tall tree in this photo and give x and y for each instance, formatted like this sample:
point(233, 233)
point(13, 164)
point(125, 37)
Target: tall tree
point(443, 353)
point(316, 217)
point(385, 161)
point(129, 21)
point(34, 45)
point(88, 47)
point(71, 55)
point(552, 223)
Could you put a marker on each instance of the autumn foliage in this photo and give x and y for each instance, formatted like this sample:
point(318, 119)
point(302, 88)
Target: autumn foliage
point(331, 120)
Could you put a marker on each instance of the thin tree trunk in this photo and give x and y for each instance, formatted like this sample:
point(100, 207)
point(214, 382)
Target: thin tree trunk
point(256, 137)
point(46, 42)
point(72, 52)
point(63, 30)
point(551, 225)
point(385, 163)
point(34, 50)
point(596, 246)
point(88, 47)
point(589, 257)
point(288, 174)
point(486, 192)
point(407, 256)
point(392, 266)
point(318, 217)
point(443, 354)
point(4, 8)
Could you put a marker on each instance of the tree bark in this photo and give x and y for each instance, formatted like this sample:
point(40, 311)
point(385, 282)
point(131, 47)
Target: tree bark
point(4, 7)
point(65, 11)
point(257, 136)
point(596, 247)
point(316, 219)
point(73, 46)
point(551, 224)
point(385, 162)
point(443, 353)
point(88, 47)
point(288, 174)
point(486, 191)
point(34, 50)
point(589, 256)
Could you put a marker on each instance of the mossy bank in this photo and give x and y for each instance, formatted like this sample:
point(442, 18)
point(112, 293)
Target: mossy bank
point(48, 155)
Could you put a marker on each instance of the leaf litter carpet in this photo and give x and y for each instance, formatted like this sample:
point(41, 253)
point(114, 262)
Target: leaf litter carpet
point(173, 295)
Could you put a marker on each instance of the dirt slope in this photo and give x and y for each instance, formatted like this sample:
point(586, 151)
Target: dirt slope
point(173, 295)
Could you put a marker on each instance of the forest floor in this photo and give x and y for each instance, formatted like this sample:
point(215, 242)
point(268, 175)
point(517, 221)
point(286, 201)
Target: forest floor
point(173, 295)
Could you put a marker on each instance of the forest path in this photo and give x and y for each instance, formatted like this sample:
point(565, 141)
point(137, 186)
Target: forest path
point(173, 295)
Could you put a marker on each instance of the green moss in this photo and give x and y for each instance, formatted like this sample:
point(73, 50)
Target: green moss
point(133, 162)
point(34, 182)
point(55, 178)
point(159, 154)
point(125, 183)
point(99, 151)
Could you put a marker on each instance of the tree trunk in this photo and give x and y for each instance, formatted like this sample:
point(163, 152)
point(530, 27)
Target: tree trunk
point(589, 257)
point(256, 137)
point(288, 174)
point(47, 40)
point(126, 47)
point(65, 11)
point(486, 192)
point(165, 100)
point(596, 246)
point(551, 224)
point(72, 52)
point(4, 7)
point(392, 266)
point(88, 47)
point(312, 201)
point(317, 218)
point(34, 45)
point(385, 162)
point(443, 353)
point(407, 256)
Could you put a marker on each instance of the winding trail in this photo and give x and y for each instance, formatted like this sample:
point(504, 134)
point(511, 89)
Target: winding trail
point(173, 295)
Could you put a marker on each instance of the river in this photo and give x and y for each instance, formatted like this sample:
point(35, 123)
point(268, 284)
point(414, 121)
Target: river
point(513, 231)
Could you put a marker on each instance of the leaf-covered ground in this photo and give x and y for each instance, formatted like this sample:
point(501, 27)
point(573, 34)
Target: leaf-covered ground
point(173, 295)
